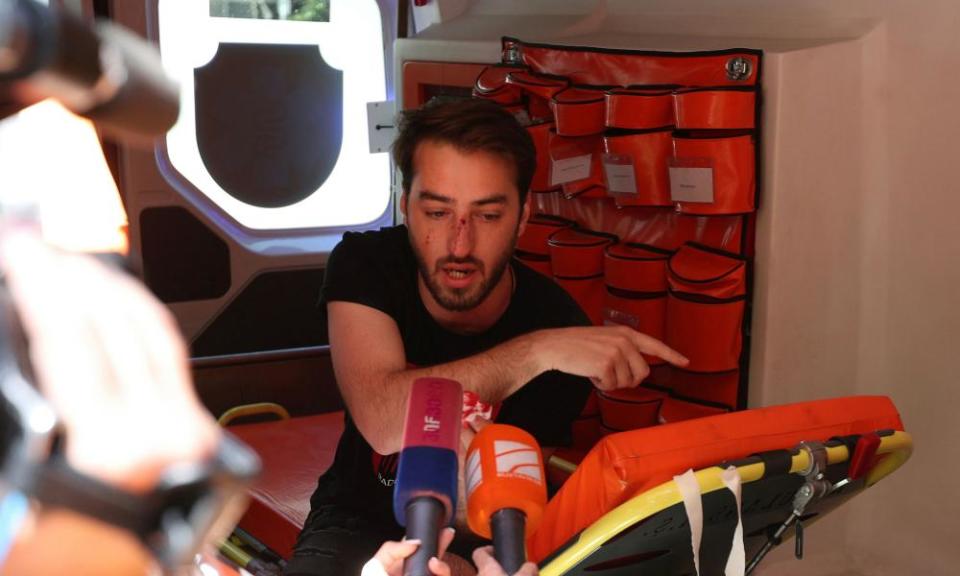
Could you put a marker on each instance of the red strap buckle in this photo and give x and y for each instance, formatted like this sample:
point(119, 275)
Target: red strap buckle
point(864, 455)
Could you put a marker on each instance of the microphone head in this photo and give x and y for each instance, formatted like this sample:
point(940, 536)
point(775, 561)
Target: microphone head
point(504, 470)
point(431, 439)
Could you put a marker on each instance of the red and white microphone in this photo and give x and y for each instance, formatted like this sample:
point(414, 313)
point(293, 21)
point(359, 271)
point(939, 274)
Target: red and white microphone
point(425, 494)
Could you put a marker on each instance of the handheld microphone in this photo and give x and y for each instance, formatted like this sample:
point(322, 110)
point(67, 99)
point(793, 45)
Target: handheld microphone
point(506, 492)
point(102, 72)
point(425, 493)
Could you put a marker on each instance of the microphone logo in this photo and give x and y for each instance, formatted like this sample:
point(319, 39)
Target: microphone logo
point(431, 424)
point(518, 459)
point(513, 459)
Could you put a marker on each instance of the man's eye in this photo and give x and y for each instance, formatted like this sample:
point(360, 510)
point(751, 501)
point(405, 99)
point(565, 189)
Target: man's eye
point(490, 216)
point(436, 214)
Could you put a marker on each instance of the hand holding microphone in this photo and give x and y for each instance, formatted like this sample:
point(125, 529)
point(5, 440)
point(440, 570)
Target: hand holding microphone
point(425, 493)
point(506, 492)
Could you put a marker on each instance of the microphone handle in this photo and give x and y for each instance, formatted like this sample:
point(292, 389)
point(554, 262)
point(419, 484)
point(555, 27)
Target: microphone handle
point(509, 542)
point(424, 515)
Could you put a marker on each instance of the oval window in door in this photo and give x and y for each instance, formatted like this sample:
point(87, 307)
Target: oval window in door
point(272, 128)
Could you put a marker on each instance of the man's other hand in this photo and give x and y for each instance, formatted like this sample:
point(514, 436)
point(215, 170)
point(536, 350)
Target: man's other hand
point(487, 565)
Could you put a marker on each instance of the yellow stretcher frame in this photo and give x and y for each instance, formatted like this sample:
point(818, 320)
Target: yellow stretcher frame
point(896, 449)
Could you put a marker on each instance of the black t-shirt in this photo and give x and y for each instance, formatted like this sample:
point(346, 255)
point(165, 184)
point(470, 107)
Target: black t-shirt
point(379, 270)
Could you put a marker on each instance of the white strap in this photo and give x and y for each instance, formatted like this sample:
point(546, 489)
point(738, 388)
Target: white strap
point(690, 490)
point(736, 561)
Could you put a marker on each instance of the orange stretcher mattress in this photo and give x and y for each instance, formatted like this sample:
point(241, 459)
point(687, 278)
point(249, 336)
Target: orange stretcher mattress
point(295, 453)
point(624, 465)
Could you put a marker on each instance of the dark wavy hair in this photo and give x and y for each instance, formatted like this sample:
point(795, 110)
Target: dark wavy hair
point(470, 125)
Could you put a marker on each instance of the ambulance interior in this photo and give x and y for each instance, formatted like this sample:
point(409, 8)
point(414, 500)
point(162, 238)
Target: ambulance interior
point(850, 267)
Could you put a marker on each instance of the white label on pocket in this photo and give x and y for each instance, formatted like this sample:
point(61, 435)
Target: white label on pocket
point(565, 170)
point(613, 317)
point(691, 184)
point(620, 176)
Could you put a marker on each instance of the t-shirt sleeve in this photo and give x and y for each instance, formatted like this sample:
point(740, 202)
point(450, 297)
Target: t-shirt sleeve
point(355, 274)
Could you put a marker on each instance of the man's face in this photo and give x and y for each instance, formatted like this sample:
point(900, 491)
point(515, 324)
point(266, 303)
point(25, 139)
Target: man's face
point(463, 215)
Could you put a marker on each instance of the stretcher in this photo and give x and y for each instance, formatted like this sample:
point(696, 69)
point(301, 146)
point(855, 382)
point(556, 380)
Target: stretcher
point(621, 512)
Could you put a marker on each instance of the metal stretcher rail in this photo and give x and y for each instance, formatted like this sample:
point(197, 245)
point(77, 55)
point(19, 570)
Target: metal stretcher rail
point(259, 357)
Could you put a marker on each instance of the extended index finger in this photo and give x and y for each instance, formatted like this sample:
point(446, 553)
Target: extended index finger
point(653, 347)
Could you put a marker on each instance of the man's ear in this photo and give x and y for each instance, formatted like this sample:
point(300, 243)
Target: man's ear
point(403, 203)
point(525, 214)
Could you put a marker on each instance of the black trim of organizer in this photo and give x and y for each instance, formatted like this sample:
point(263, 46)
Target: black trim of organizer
point(648, 247)
point(652, 91)
point(635, 294)
point(514, 67)
point(489, 96)
point(566, 81)
point(574, 102)
point(627, 51)
point(517, 68)
point(539, 218)
point(601, 394)
point(724, 88)
point(614, 132)
point(711, 250)
point(707, 403)
point(591, 277)
point(709, 373)
point(715, 134)
point(677, 396)
point(534, 256)
point(701, 299)
point(607, 235)
point(588, 188)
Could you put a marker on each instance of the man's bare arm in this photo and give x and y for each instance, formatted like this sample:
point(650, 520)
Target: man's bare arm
point(371, 368)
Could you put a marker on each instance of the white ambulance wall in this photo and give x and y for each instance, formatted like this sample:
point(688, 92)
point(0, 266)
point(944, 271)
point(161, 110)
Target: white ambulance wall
point(858, 266)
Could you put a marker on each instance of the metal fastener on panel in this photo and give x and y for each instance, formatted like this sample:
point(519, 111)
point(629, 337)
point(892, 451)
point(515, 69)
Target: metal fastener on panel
point(511, 54)
point(739, 68)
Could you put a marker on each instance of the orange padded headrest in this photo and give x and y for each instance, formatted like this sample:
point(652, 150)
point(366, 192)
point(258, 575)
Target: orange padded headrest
point(627, 464)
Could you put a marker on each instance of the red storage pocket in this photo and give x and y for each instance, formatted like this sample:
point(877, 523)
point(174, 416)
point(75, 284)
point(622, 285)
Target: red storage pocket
point(717, 388)
point(648, 153)
point(636, 267)
point(540, 134)
point(492, 85)
point(539, 89)
point(577, 165)
point(629, 409)
point(636, 296)
point(728, 107)
point(578, 111)
point(732, 160)
point(707, 291)
point(532, 247)
point(639, 108)
point(676, 410)
point(576, 258)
